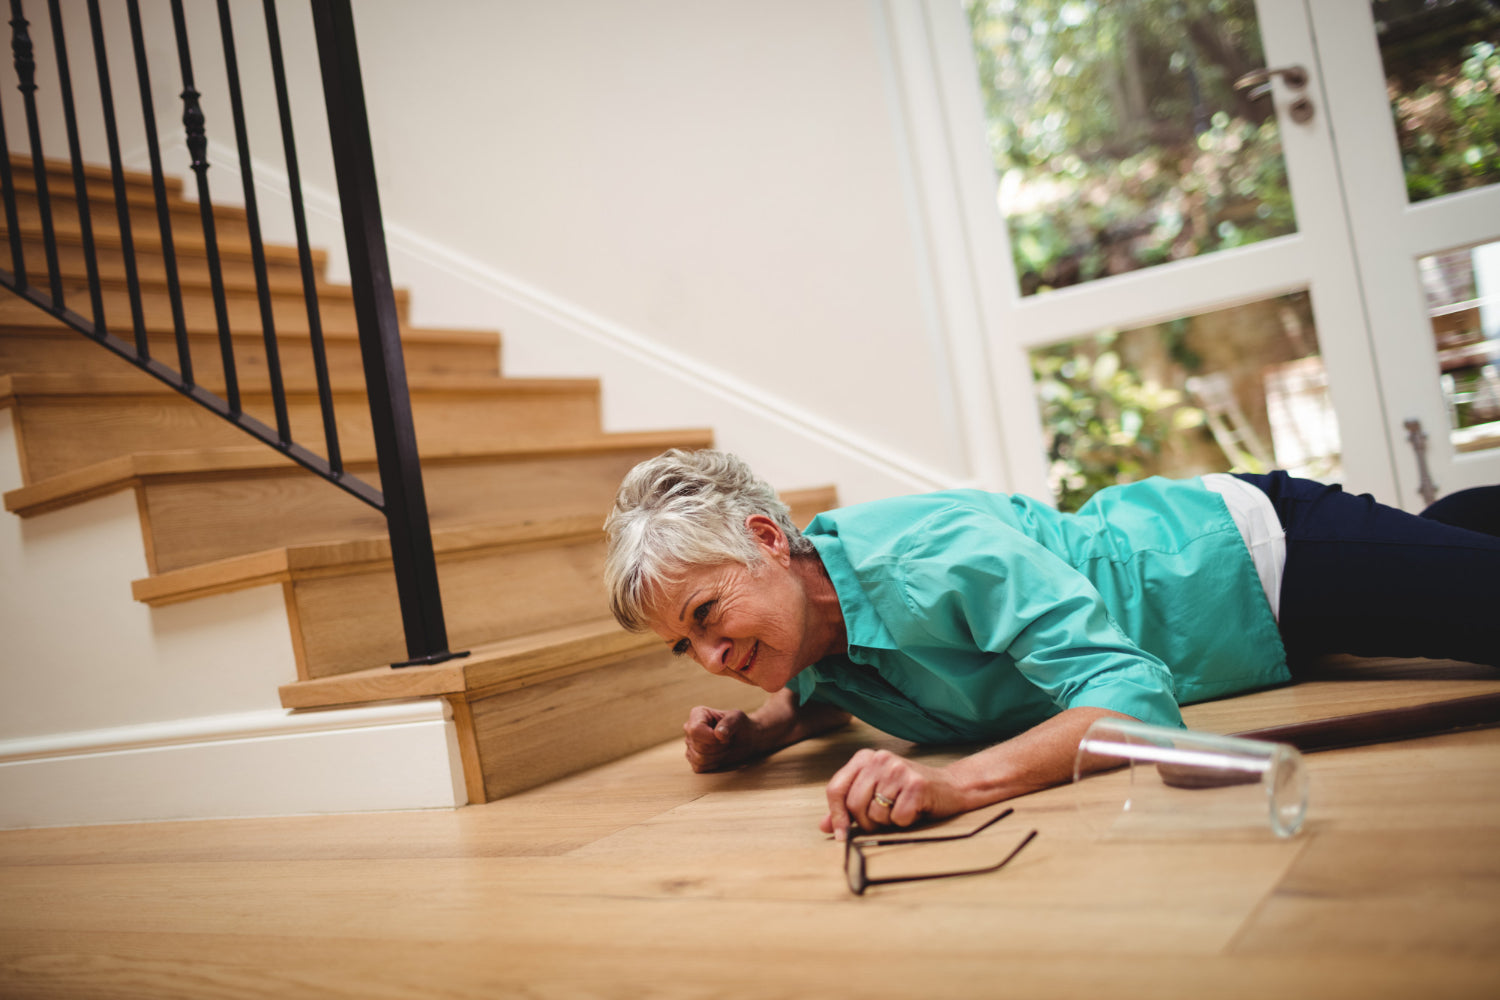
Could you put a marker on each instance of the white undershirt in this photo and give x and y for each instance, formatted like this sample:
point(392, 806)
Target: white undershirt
point(1260, 527)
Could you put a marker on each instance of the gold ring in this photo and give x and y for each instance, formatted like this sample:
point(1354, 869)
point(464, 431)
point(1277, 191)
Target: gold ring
point(882, 800)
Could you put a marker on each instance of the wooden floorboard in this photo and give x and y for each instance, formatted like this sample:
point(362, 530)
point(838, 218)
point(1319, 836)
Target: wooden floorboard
point(641, 879)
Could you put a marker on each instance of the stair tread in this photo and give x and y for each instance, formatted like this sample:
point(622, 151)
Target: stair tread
point(416, 334)
point(492, 667)
point(138, 383)
point(149, 241)
point(138, 191)
point(117, 473)
point(287, 562)
point(283, 286)
point(191, 284)
point(22, 162)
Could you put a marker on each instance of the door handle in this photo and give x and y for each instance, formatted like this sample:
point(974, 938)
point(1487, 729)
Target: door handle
point(1258, 83)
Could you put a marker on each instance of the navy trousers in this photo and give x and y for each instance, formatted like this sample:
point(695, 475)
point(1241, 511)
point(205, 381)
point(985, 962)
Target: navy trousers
point(1371, 580)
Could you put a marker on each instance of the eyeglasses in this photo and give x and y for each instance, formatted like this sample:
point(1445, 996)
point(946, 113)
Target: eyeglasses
point(854, 856)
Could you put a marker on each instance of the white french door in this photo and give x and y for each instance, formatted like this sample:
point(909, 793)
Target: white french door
point(1309, 347)
point(1430, 268)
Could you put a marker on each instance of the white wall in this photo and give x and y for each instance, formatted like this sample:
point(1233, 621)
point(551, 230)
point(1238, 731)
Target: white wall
point(717, 192)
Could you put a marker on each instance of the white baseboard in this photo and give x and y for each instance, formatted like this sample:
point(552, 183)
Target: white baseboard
point(269, 763)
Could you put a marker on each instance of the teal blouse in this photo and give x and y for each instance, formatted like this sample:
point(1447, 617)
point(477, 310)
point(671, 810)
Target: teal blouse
point(972, 616)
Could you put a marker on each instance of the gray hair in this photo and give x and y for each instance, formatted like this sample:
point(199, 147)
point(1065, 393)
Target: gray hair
point(682, 509)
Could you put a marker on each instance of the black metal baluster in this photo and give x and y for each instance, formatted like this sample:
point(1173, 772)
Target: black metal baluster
point(304, 249)
point(75, 154)
point(159, 188)
point(252, 221)
point(197, 141)
point(380, 340)
point(20, 43)
point(12, 217)
point(380, 344)
point(117, 171)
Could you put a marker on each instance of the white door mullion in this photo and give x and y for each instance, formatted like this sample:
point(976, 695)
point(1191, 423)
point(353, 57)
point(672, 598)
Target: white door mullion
point(1466, 218)
point(1162, 293)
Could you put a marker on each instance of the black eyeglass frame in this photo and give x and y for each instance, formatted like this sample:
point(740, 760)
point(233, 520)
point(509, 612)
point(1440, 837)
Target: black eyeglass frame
point(855, 843)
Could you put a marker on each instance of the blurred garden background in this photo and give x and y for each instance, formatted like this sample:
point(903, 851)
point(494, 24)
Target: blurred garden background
point(1120, 142)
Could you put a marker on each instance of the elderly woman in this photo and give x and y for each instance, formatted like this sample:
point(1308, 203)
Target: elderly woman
point(965, 616)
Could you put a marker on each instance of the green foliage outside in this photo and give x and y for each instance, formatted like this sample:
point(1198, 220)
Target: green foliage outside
point(1120, 143)
point(1104, 424)
point(1117, 134)
point(1449, 123)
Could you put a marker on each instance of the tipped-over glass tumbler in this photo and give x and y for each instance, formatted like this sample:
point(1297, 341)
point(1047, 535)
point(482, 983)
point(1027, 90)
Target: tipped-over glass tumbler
point(1185, 783)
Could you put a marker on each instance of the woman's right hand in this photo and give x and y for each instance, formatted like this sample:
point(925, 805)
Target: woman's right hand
point(719, 739)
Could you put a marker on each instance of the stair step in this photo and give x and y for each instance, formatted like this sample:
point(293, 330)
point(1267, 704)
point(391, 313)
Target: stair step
point(537, 707)
point(98, 178)
point(51, 346)
point(184, 216)
point(235, 259)
point(205, 506)
point(490, 668)
point(285, 284)
point(497, 579)
point(241, 305)
point(66, 422)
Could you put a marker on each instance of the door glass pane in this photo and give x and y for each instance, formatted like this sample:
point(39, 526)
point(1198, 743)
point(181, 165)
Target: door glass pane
point(1117, 134)
point(1463, 300)
point(1442, 69)
point(1236, 390)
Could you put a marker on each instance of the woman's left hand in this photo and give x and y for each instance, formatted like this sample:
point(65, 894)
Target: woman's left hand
point(878, 788)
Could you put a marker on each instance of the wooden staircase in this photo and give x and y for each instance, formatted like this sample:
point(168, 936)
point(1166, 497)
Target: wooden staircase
point(518, 475)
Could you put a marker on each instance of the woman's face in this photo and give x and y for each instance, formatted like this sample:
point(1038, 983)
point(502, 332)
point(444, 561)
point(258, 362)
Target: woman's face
point(749, 623)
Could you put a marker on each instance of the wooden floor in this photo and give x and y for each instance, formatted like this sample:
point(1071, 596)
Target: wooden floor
point(640, 879)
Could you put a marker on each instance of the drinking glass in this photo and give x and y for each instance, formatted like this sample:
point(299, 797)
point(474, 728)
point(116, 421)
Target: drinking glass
point(1185, 783)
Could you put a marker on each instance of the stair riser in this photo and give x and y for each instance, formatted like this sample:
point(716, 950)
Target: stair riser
point(203, 519)
point(349, 621)
point(185, 218)
point(241, 305)
point(237, 270)
point(100, 184)
point(524, 738)
point(57, 434)
point(69, 351)
point(237, 267)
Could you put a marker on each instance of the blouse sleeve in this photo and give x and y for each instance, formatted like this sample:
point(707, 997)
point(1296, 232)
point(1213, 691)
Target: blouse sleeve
point(970, 578)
